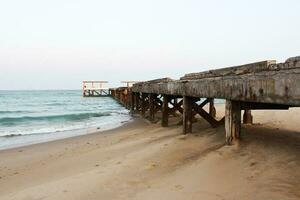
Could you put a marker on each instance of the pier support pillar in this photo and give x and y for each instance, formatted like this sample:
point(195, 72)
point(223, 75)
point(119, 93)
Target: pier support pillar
point(127, 94)
point(118, 95)
point(232, 121)
point(132, 102)
point(144, 104)
point(165, 111)
point(175, 101)
point(187, 114)
point(152, 107)
point(247, 117)
point(212, 109)
point(137, 101)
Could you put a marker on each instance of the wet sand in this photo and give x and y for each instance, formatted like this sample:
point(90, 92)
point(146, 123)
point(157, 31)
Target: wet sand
point(141, 160)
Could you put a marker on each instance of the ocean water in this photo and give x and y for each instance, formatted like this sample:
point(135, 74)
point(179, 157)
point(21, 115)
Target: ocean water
point(28, 117)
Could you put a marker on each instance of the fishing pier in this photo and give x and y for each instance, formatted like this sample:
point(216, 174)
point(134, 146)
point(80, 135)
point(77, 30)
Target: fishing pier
point(260, 85)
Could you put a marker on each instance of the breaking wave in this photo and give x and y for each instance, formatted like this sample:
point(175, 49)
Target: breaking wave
point(9, 121)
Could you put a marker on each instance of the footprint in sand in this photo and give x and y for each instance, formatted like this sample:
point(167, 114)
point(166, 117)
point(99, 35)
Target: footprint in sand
point(179, 187)
point(243, 154)
point(250, 178)
point(154, 165)
point(182, 138)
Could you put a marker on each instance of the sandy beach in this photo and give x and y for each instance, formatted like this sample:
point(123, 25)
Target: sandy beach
point(141, 160)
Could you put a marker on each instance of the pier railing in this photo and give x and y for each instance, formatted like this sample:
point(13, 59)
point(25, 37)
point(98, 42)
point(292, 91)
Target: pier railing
point(94, 88)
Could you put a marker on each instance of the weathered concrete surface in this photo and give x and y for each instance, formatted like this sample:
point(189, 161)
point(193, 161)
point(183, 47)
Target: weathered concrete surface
point(268, 65)
point(277, 83)
point(293, 59)
point(160, 80)
point(231, 71)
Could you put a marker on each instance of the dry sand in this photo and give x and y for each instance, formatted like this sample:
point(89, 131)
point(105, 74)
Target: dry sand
point(145, 161)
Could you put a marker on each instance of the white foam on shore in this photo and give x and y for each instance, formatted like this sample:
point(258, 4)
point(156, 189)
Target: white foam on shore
point(14, 141)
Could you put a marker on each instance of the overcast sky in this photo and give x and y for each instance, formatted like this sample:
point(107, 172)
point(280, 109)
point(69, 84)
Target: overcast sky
point(55, 44)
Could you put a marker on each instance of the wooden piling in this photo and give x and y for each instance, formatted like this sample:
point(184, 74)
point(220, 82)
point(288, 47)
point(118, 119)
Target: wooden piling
point(187, 114)
point(204, 114)
point(232, 121)
point(137, 101)
point(247, 117)
point(152, 107)
point(165, 111)
point(144, 104)
point(212, 109)
point(132, 103)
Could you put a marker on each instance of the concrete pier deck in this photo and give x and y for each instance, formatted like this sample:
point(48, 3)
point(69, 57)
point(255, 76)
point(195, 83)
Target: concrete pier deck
point(260, 85)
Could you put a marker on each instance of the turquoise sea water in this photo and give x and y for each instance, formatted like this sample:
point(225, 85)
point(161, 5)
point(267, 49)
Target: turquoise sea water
point(28, 117)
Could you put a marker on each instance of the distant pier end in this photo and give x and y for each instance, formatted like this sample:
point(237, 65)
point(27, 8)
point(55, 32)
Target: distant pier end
point(94, 89)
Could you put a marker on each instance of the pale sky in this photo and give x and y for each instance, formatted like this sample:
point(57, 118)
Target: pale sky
point(55, 44)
